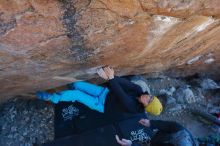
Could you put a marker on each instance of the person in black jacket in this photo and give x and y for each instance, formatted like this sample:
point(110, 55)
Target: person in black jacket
point(120, 95)
point(169, 134)
point(129, 95)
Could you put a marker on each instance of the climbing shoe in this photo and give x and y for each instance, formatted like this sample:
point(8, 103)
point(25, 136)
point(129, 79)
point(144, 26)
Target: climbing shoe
point(43, 95)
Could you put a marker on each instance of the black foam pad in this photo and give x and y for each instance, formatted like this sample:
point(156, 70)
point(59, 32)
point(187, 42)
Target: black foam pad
point(65, 115)
point(74, 118)
point(133, 130)
point(104, 136)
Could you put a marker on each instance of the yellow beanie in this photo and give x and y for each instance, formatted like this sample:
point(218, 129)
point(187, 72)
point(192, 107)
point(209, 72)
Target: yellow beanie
point(154, 107)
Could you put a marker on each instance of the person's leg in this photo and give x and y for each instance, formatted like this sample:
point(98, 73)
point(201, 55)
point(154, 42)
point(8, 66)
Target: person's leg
point(76, 95)
point(91, 89)
point(161, 138)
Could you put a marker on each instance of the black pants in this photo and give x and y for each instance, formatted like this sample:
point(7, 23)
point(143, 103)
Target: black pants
point(166, 129)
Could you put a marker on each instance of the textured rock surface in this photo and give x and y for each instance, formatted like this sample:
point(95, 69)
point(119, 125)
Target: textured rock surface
point(25, 122)
point(41, 40)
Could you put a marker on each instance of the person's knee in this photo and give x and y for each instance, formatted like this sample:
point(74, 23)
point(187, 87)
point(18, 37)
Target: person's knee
point(78, 84)
point(75, 85)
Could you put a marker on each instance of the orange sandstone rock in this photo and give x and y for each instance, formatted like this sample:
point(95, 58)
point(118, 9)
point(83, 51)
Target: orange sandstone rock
point(43, 41)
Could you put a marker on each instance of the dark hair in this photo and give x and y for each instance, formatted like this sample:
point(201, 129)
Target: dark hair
point(145, 93)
